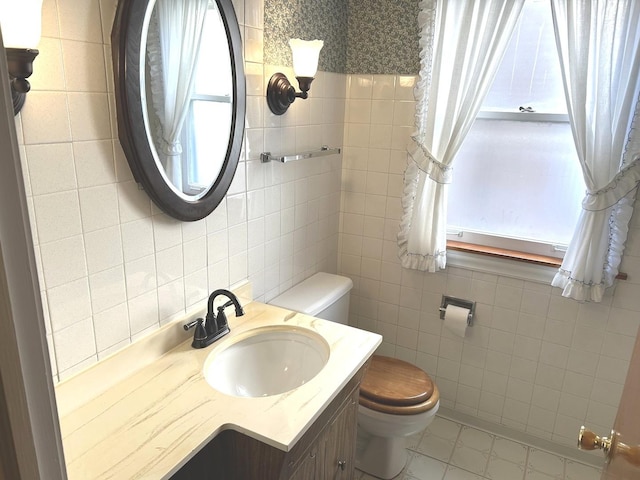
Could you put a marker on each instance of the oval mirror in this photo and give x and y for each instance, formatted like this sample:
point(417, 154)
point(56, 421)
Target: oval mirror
point(180, 99)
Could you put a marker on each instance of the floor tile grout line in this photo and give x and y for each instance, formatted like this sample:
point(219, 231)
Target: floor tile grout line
point(486, 465)
point(455, 443)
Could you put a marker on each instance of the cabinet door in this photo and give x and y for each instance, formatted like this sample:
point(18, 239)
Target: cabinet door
point(307, 470)
point(340, 442)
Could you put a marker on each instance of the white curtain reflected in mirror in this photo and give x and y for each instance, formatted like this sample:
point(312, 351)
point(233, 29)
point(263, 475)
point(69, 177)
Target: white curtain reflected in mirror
point(189, 89)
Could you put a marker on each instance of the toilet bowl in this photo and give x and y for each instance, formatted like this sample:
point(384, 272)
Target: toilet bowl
point(397, 399)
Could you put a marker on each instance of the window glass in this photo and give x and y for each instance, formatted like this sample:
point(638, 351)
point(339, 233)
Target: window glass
point(208, 139)
point(530, 71)
point(207, 127)
point(517, 176)
point(213, 75)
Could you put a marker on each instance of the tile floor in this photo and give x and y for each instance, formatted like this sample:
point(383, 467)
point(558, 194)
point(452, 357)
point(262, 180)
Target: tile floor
point(447, 450)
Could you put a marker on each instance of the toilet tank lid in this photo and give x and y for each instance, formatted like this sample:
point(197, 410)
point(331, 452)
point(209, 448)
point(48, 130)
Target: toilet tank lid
point(314, 294)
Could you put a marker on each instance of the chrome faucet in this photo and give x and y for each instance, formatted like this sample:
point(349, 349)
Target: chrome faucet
point(214, 327)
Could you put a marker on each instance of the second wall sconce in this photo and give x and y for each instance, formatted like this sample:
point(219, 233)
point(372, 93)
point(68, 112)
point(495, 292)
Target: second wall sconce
point(21, 24)
point(280, 92)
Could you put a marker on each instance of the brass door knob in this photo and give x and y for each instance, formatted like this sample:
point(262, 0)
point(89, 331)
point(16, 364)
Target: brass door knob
point(587, 440)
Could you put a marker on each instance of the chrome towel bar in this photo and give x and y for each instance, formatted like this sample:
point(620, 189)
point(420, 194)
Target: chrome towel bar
point(268, 157)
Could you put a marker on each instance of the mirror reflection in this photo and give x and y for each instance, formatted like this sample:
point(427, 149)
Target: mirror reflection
point(188, 91)
point(180, 99)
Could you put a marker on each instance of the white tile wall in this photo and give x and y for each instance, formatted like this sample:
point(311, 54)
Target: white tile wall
point(112, 266)
point(533, 361)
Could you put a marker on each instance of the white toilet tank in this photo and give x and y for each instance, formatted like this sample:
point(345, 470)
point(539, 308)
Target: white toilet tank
point(322, 295)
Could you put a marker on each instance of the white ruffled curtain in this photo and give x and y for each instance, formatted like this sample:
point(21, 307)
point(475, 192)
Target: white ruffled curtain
point(599, 46)
point(462, 44)
point(173, 46)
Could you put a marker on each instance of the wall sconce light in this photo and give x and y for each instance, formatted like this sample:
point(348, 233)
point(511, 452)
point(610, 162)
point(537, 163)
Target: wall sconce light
point(280, 92)
point(21, 24)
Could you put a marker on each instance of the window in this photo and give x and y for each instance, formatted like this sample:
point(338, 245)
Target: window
point(205, 133)
point(517, 182)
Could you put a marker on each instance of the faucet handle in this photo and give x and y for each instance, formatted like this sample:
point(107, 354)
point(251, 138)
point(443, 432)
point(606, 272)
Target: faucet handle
point(193, 323)
point(200, 334)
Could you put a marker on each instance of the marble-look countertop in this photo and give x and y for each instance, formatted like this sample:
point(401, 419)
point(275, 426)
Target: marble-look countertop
point(151, 411)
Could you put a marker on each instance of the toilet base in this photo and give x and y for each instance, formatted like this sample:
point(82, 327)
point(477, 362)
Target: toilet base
point(381, 457)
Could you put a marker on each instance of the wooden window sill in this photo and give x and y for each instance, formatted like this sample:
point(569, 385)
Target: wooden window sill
point(511, 255)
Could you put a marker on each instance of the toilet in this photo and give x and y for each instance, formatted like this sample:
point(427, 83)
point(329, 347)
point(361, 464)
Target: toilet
point(397, 399)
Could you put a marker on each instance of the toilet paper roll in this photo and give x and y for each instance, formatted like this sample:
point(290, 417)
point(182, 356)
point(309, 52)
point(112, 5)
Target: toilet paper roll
point(455, 319)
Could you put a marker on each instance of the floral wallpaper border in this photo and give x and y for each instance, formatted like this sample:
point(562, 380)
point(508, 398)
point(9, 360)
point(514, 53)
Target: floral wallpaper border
point(383, 37)
point(360, 36)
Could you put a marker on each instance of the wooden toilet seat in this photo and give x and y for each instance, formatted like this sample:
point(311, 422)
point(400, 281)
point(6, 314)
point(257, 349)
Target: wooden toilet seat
point(397, 387)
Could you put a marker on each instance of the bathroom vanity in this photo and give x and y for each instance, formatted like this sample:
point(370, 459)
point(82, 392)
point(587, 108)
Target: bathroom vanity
point(148, 411)
point(326, 450)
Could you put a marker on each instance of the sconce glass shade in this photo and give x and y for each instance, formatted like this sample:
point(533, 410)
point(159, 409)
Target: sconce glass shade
point(21, 22)
point(305, 56)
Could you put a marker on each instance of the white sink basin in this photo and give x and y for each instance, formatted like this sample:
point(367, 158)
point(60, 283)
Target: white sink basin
point(266, 361)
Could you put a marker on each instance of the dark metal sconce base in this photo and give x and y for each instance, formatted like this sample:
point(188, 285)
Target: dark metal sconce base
point(20, 63)
point(281, 94)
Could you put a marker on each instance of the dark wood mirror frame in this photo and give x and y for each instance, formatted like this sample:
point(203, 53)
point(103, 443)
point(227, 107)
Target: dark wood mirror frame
point(126, 38)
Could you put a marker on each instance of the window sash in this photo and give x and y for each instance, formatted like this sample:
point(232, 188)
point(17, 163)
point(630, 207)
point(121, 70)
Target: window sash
point(516, 223)
point(528, 74)
point(523, 116)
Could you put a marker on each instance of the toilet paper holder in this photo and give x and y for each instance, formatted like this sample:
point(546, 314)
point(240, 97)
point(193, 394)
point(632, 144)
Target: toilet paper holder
point(458, 302)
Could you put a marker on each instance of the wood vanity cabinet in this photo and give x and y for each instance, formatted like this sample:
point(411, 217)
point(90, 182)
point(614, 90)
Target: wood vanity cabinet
point(325, 452)
point(340, 443)
point(332, 455)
